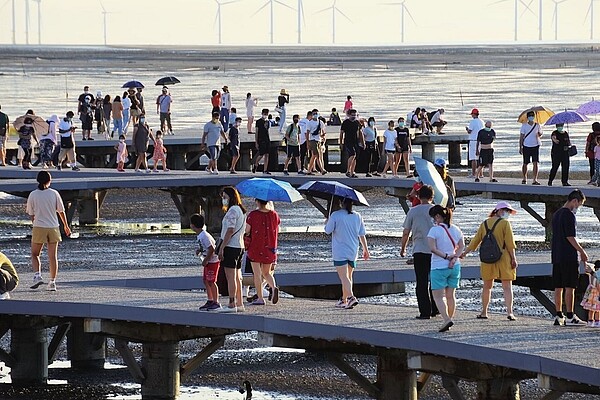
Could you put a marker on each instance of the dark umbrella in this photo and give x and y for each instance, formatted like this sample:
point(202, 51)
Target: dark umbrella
point(133, 84)
point(167, 80)
point(327, 189)
point(566, 117)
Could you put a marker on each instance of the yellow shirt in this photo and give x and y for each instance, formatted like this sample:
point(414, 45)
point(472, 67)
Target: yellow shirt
point(503, 234)
point(6, 265)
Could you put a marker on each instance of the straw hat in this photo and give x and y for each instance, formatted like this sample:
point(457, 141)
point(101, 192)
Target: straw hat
point(283, 91)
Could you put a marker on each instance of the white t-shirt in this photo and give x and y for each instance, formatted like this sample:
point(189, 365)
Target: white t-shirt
point(205, 241)
point(390, 139)
point(532, 139)
point(475, 126)
point(345, 230)
point(43, 206)
point(443, 244)
point(437, 117)
point(213, 131)
point(250, 104)
point(226, 100)
point(234, 218)
point(126, 103)
point(312, 125)
point(302, 124)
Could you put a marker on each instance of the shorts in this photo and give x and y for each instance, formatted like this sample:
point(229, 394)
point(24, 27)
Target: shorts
point(390, 151)
point(565, 274)
point(41, 235)
point(293, 151)
point(473, 150)
point(3, 139)
point(213, 152)
point(445, 278)
point(134, 112)
point(486, 157)
point(86, 122)
point(343, 263)
point(210, 272)
point(313, 147)
point(232, 257)
point(531, 154)
point(439, 123)
point(263, 148)
point(352, 149)
point(235, 150)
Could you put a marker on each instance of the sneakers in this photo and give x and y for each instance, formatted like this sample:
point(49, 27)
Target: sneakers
point(597, 324)
point(575, 321)
point(37, 282)
point(205, 306)
point(352, 302)
point(5, 296)
point(340, 303)
point(214, 306)
point(559, 321)
point(285, 172)
point(51, 286)
point(227, 309)
point(75, 168)
point(258, 302)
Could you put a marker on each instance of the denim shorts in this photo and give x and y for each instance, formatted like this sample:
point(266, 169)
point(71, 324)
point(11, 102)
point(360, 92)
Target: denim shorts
point(445, 278)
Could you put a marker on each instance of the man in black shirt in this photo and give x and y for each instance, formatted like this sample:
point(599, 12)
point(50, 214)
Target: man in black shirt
point(485, 151)
point(263, 141)
point(350, 137)
point(565, 266)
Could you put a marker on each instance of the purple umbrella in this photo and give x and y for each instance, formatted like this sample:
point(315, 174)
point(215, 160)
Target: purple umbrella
point(589, 108)
point(566, 117)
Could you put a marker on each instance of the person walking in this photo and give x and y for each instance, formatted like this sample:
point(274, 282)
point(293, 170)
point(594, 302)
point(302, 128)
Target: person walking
point(505, 269)
point(121, 149)
point(596, 177)
point(48, 142)
point(140, 139)
point(4, 129)
point(107, 113)
point(351, 140)
point(66, 131)
point(213, 132)
point(251, 102)
point(126, 103)
point(485, 151)
point(43, 206)
point(590, 143)
point(140, 98)
point(163, 109)
point(99, 113)
point(262, 228)
point(348, 104)
point(9, 279)
point(209, 259)
point(370, 136)
point(234, 143)
point(529, 147)
point(160, 153)
point(446, 243)
point(403, 147)
point(231, 247)
point(347, 230)
point(26, 135)
point(419, 223)
point(225, 106)
point(136, 108)
point(560, 154)
point(262, 142)
point(292, 137)
point(282, 101)
point(87, 117)
point(303, 140)
point(314, 130)
point(565, 265)
point(475, 125)
point(117, 115)
point(389, 147)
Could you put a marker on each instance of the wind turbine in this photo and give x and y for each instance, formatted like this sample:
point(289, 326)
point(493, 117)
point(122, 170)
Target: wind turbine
point(540, 25)
point(555, 17)
point(404, 10)
point(14, 23)
point(39, 20)
point(335, 10)
point(590, 14)
point(218, 15)
point(517, 2)
point(272, 4)
point(301, 20)
point(27, 21)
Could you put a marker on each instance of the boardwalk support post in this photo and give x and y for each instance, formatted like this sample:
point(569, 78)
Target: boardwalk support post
point(59, 335)
point(88, 207)
point(498, 389)
point(339, 361)
point(190, 366)
point(160, 361)
point(29, 348)
point(129, 359)
point(394, 379)
point(561, 386)
point(85, 350)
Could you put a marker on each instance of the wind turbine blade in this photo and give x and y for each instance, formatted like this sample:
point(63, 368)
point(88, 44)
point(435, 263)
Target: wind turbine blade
point(497, 2)
point(409, 14)
point(527, 7)
point(344, 15)
point(230, 2)
point(102, 5)
point(302, 11)
point(325, 9)
point(587, 14)
point(260, 9)
point(4, 5)
point(285, 5)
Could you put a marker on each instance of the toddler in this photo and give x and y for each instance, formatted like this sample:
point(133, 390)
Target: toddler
point(160, 153)
point(121, 149)
point(210, 262)
point(590, 301)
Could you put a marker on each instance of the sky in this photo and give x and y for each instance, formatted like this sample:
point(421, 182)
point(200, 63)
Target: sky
point(363, 22)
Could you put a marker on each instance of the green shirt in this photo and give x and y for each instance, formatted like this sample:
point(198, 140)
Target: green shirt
point(6, 265)
point(3, 121)
point(293, 131)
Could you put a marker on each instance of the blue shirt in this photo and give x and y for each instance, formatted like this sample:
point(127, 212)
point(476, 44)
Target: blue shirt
point(369, 134)
point(345, 229)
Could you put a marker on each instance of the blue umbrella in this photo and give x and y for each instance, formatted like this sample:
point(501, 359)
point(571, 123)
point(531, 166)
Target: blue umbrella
point(566, 117)
point(328, 189)
point(133, 84)
point(269, 189)
point(589, 108)
point(430, 176)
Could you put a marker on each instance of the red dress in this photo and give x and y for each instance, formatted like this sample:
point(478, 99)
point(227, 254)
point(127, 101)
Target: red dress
point(264, 227)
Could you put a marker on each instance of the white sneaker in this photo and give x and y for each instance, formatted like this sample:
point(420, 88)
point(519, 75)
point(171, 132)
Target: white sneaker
point(575, 321)
point(227, 309)
point(590, 324)
point(51, 286)
point(340, 304)
point(597, 324)
point(37, 282)
point(5, 296)
point(559, 321)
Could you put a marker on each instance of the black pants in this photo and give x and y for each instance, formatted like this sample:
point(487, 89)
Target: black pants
point(27, 155)
point(372, 156)
point(592, 167)
point(303, 153)
point(422, 265)
point(7, 282)
point(560, 158)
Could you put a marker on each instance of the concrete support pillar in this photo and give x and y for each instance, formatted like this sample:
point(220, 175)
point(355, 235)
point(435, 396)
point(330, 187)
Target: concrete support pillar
point(176, 160)
point(88, 207)
point(274, 156)
point(245, 161)
point(212, 208)
point(85, 350)
point(428, 151)
point(454, 156)
point(160, 362)
point(394, 379)
point(29, 347)
point(550, 209)
point(498, 389)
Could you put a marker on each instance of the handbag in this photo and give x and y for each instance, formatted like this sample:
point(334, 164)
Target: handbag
point(219, 241)
point(572, 151)
point(278, 109)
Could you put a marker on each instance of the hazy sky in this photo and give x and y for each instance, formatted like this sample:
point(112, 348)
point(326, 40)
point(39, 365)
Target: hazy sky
point(192, 22)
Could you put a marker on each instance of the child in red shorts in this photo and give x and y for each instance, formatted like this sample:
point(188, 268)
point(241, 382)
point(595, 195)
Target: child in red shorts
point(210, 262)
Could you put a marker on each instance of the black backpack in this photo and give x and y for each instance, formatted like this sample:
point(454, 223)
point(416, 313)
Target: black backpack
point(489, 251)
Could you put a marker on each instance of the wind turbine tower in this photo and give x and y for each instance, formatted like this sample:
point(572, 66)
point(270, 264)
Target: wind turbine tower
point(14, 23)
point(300, 20)
point(39, 20)
point(555, 17)
point(334, 10)
point(403, 10)
point(271, 3)
point(218, 15)
point(590, 15)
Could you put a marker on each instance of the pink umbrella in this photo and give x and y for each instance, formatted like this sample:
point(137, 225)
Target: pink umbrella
point(589, 108)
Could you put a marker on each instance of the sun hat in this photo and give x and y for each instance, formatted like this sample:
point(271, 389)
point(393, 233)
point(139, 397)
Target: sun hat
point(505, 205)
point(283, 91)
point(225, 87)
point(475, 111)
point(440, 162)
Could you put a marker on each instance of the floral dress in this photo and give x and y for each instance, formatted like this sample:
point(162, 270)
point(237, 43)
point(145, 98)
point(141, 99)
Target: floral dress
point(591, 300)
point(159, 149)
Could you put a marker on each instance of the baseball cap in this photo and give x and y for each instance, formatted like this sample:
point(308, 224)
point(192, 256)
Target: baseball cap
point(504, 204)
point(474, 111)
point(440, 162)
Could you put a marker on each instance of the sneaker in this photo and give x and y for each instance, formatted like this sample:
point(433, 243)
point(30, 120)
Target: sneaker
point(166, 170)
point(155, 171)
point(590, 324)
point(215, 172)
point(559, 321)
point(368, 175)
point(275, 295)
point(340, 303)
point(258, 302)
point(352, 302)
point(285, 172)
point(376, 174)
point(205, 306)
point(301, 172)
point(476, 179)
point(5, 296)
point(266, 173)
point(58, 168)
point(597, 324)
point(37, 282)
point(148, 171)
point(241, 309)
point(575, 321)
point(250, 299)
point(214, 306)
point(51, 286)
point(227, 309)
point(75, 168)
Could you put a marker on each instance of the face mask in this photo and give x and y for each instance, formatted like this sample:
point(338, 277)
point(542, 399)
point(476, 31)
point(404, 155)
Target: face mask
point(506, 215)
point(142, 120)
point(487, 129)
point(530, 119)
point(122, 140)
point(225, 202)
point(315, 116)
point(352, 118)
point(237, 124)
point(560, 128)
point(265, 116)
point(401, 124)
point(575, 210)
point(295, 121)
point(372, 124)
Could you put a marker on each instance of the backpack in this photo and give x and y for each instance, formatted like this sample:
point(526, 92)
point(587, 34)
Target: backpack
point(489, 251)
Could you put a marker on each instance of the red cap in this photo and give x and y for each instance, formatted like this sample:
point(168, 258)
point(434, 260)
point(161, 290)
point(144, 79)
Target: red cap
point(474, 111)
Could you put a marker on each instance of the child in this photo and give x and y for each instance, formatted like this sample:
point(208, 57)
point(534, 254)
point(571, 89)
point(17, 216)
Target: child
point(413, 196)
point(232, 116)
point(210, 262)
point(121, 149)
point(590, 301)
point(292, 137)
point(596, 177)
point(160, 153)
point(390, 149)
point(234, 143)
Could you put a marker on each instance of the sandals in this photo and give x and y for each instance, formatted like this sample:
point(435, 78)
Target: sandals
point(511, 317)
point(479, 316)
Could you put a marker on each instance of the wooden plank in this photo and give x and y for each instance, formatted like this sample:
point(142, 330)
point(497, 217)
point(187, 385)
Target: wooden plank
point(132, 365)
point(59, 335)
point(338, 360)
point(190, 366)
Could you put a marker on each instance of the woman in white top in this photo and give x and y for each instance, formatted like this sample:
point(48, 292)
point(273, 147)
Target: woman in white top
point(446, 243)
point(43, 205)
point(231, 246)
point(390, 143)
point(251, 102)
point(126, 102)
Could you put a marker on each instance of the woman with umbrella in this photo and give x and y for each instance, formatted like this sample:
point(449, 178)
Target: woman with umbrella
point(560, 154)
point(590, 143)
point(347, 229)
point(26, 134)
